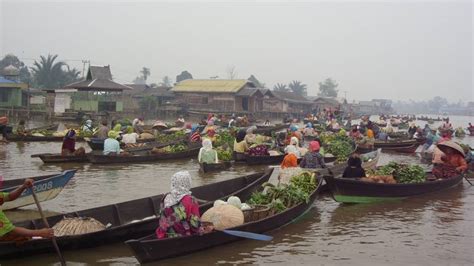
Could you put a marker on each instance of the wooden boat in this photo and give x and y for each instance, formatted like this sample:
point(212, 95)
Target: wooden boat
point(58, 158)
point(399, 135)
point(149, 248)
point(266, 160)
point(97, 144)
point(238, 157)
point(267, 130)
point(402, 126)
point(361, 148)
point(350, 190)
point(138, 158)
point(369, 161)
point(213, 167)
point(471, 131)
point(394, 143)
point(31, 138)
point(130, 219)
point(46, 187)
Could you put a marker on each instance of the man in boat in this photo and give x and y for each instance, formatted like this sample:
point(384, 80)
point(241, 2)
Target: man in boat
point(88, 128)
point(21, 129)
point(452, 162)
point(8, 232)
point(69, 145)
point(179, 213)
point(103, 131)
point(355, 133)
point(138, 124)
point(382, 135)
point(240, 145)
point(3, 128)
point(207, 154)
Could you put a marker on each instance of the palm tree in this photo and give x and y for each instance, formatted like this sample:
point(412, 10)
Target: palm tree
point(166, 82)
point(280, 87)
point(47, 73)
point(145, 73)
point(298, 87)
point(71, 75)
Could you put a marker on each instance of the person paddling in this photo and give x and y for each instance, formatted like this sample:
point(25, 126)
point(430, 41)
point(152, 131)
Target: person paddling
point(9, 232)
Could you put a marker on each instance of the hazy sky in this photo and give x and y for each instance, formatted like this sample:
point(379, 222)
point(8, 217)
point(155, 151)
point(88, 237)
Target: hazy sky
point(375, 49)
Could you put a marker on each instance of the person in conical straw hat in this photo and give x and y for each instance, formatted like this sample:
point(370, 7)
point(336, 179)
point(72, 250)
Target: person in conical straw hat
point(453, 162)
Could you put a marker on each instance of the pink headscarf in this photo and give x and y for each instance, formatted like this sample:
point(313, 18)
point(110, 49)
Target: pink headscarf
point(314, 146)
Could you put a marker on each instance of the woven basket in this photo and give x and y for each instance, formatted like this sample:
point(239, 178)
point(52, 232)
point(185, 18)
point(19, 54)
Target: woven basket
point(258, 212)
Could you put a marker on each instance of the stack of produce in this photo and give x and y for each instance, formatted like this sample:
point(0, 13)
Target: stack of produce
point(170, 149)
point(224, 138)
point(401, 173)
point(338, 145)
point(284, 196)
point(224, 154)
point(259, 150)
point(77, 226)
point(164, 138)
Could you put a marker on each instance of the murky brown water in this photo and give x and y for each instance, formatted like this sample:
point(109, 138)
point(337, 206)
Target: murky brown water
point(432, 229)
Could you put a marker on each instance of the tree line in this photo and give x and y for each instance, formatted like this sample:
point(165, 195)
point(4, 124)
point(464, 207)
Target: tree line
point(47, 72)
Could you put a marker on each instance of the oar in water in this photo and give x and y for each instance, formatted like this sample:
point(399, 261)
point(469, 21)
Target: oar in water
point(248, 235)
point(55, 244)
point(467, 179)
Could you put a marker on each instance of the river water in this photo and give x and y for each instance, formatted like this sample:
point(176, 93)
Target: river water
point(432, 229)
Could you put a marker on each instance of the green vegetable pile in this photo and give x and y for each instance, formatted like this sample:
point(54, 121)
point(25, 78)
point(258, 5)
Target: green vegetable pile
point(164, 138)
point(340, 149)
point(284, 196)
point(403, 173)
point(223, 138)
point(224, 154)
point(178, 148)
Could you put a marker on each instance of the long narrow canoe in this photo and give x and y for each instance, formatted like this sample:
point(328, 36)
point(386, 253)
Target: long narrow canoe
point(97, 144)
point(350, 190)
point(403, 149)
point(58, 158)
point(265, 160)
point(130, 219)
point(46, 187)
point(214, 167)
point(149, 248)
point(138, 158)
point(30, 138)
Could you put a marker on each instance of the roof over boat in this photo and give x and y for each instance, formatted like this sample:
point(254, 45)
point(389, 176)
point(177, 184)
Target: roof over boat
point(212, 85)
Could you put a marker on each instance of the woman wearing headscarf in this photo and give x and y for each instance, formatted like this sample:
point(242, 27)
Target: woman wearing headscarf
point(179, 211)
point(69, 145)
point(88, 126)
point(111, 144)
point(313, 159)
point(240, 145)
point(293, 147)
point(309, 130)
point(207, 154)
point(354, 167)
point(195, 134)
point(250, 137)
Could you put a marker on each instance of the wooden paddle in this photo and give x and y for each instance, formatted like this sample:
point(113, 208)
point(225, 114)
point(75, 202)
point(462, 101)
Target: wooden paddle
point(248, 235)
point(55, 244)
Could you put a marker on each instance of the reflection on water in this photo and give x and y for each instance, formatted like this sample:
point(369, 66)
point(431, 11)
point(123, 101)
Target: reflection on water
point(435, 228)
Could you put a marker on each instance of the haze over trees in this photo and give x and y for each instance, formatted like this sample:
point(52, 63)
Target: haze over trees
point(47, 72)
point(298, 87)
point(183, 76)
point(281, 87)
point(328, 88)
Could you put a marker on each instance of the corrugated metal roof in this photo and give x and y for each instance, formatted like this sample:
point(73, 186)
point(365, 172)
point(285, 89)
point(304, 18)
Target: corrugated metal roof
point(211, 85)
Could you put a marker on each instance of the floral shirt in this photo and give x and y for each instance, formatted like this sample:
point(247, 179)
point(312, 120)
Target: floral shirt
point(182, 219)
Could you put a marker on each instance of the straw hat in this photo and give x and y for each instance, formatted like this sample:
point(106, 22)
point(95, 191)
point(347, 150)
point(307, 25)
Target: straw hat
point(450, 144)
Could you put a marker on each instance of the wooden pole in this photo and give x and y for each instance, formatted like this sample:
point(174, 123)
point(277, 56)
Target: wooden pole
point(53, 239)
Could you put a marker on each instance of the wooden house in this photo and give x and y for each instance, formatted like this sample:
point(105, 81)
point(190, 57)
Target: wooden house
point(280, 102)
point(13, 94)
point(219, 95)
point(96, 93)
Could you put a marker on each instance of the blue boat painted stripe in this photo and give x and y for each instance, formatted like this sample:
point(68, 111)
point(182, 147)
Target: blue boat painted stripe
point(47, 184)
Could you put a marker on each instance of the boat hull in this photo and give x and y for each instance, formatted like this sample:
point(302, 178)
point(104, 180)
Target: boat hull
point(151, 249)
point(355, 191)
point(131, 219)
point(46, 189)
